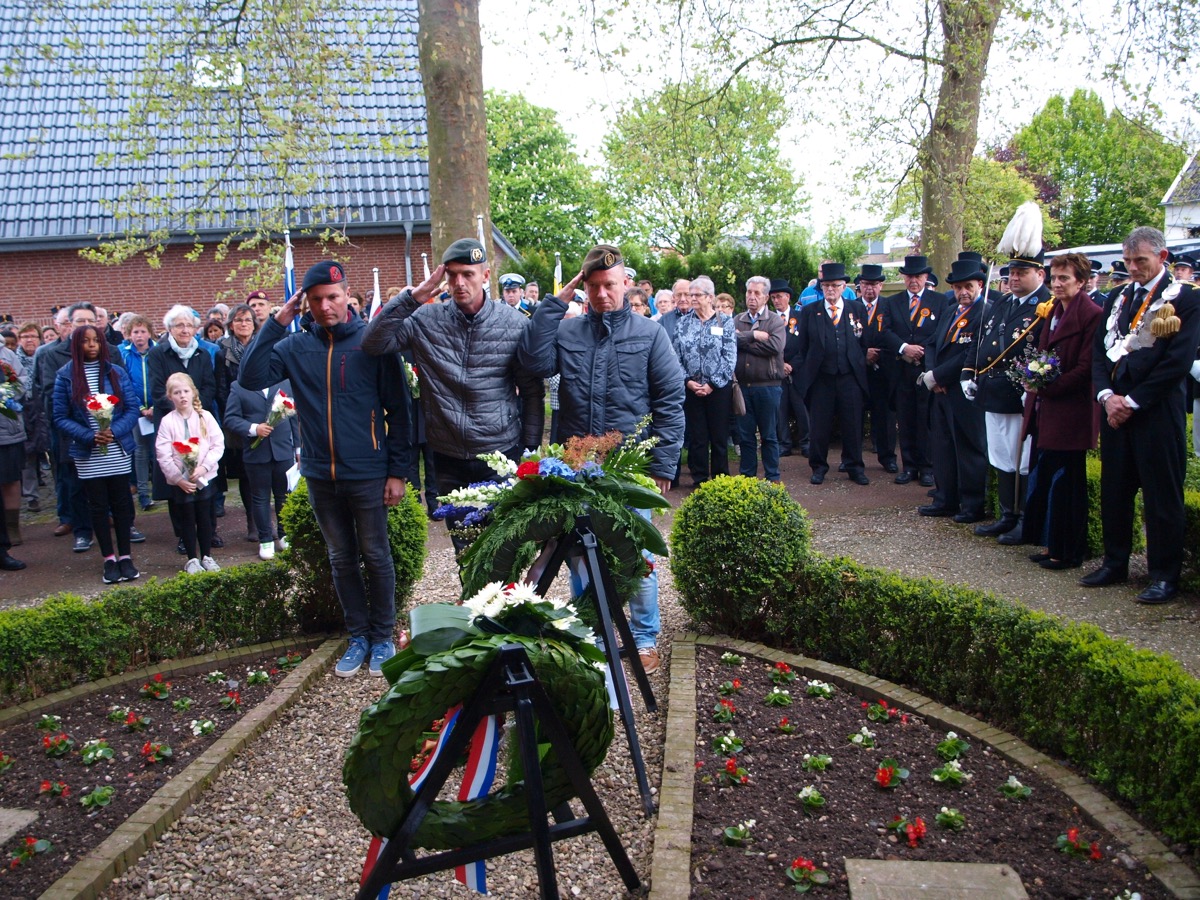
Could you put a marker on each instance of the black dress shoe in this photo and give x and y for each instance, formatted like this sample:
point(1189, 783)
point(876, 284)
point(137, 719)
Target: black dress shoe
point(1003, 525)
point(927, 480)
point(860, 478)
point(10, 564)
point(1038, 557)
point(935, 511)
point(1057, 564)
point(968, 518)
point(817, 478)
point(905, 477)
point(1104, 576)
point(787, 452)
point(1158, 592)
point(891, 468)
point(841, 467)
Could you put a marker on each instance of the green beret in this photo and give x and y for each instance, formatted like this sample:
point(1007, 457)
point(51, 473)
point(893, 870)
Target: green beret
point(465, 250)
point(601, 257)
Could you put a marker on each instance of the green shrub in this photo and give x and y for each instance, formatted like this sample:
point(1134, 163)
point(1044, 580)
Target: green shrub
point(67, 639)
point(317, 607)
point(737, 544)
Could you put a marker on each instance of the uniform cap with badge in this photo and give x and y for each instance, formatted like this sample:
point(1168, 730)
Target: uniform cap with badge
point(511, 280)
point(601, 258)
point(465, 250)
point(327, 272)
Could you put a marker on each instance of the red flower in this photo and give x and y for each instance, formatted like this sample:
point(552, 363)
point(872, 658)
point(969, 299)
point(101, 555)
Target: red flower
point(745, 778)
point(113, 400)
point(883, 775)
point(883, 703)
point(131, 718)
point(806, 865)
point(1096, 854)
point(783, 667)
point(526, 469)
point(731, 766)
point(699, 764)
point(865, 704)
point(904, 719)
point(94, 405)
point(783, 722)
point(1073, 835)
point(737, 684)
point(194, 441)
point(288, 404)
point(158, 677)
point(181, 447)
point(45, 787)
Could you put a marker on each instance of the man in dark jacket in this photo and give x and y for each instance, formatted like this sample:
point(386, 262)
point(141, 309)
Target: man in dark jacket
point(760, 341)
point(475, 396)
point(791, 401)
point(616, 368)
point(355, 452)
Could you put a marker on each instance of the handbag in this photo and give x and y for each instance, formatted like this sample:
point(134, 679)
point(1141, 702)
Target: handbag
point(737, 401)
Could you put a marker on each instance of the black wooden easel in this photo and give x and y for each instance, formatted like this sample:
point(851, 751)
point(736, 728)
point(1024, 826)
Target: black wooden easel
point(611, 612)
point(510, 685)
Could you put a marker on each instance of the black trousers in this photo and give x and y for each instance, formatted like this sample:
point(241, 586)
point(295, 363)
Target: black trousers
point(194, 513)
point(883, 417)
point(959, 442)
point(1057, 503)
point(1147, 452)
point(266, 480)
point(835, 396)
point(792, 409)
point(110, 492)
point(708, 424)
point(912, 418)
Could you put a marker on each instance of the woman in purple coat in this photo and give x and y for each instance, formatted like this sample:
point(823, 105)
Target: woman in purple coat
point(1064, 418)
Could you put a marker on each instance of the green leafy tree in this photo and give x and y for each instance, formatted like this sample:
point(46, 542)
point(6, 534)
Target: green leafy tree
point(543, 196)
point(697, 164)
point(1109, 172)
point(842, 245)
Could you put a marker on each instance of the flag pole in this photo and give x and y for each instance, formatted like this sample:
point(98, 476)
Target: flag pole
point(289, 276)
point(377, 299)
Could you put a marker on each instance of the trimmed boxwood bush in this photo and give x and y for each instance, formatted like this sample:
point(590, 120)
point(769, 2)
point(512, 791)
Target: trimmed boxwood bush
point(1129, 718)
point(66, 639)
point(737, 545)
point(317, 607)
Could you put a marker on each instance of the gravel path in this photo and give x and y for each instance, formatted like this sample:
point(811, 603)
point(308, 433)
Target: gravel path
point(276, 824)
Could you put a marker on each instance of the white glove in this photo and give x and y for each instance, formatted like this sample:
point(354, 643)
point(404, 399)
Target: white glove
point(969, 388)
point(926, 378)
point(1196, 370)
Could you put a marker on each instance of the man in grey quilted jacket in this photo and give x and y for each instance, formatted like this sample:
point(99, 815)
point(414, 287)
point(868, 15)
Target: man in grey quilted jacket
point(475, 397)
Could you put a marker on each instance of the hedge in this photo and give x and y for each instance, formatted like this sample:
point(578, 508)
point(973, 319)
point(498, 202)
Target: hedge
point(66, 639)
point(1129, 718)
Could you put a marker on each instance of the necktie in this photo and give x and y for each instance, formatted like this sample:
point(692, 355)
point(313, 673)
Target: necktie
point(913, 302)
point(1135, 310)
point(835, 315)
point(870, 311)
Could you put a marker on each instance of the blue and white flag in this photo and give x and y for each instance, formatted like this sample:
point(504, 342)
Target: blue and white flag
point(289, 276)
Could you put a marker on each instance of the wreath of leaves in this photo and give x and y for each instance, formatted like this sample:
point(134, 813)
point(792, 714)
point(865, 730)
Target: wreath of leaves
point(390, 733)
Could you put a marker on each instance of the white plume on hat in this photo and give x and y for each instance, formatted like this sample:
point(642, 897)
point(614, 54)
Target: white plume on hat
point(1023, 236)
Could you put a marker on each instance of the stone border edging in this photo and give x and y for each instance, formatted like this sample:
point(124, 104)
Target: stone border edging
point(671, 867)
point(125, 846)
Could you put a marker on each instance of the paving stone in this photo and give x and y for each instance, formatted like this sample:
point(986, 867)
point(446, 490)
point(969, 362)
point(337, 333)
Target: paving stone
point(876, 879)
point(15, 821)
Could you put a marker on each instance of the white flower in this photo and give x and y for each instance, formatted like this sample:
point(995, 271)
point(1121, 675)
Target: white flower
point(748, 824)
point(857, 739)
point(950, 736)
point(779, 690)
point(807, 792)
point(1013, 783)
point(807, 757)
point(945, 809)
point(865, 733)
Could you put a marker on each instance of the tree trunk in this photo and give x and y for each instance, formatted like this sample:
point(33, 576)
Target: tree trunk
point(451, 56)
point(967, 27)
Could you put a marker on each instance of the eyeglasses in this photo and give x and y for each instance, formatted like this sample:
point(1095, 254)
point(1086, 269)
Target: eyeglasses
point(697, 294)
point(175, 325)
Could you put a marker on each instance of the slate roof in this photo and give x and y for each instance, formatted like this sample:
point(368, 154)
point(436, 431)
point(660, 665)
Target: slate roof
point(1186, 188)
point(52, 184)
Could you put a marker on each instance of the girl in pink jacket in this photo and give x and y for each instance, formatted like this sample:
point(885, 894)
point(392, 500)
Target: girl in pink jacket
point(188, 447)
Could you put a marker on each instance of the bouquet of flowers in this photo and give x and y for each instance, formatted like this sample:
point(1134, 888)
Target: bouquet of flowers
point(1036, 369)
point(101, 407)
point(10, 390)
point(189, 453)
point(413, 378)
point(282, 407)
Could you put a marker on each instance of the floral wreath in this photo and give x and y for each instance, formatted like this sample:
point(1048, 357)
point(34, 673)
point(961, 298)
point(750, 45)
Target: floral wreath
point(444, 667)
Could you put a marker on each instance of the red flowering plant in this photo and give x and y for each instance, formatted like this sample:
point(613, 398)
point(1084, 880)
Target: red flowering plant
point(1071, 845)
point(782, 673)
point(732, 773)
point(102, 407)
point(729, 688)
point(890, 774)
point(135, 721)
point(804, 875)
point(724, 711)
point(157, 687)
point(155, 752)
point(282, 407)
point(189, 454)
point(785, 726)
point(7, 761)
point(913, 831)
point(232, 701)
point(27, 850)
point(881, 712)
point(290, 661)
point(54, 789)
point(57, 744)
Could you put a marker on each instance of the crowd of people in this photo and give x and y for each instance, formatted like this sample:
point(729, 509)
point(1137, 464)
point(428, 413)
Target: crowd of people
point(948, 386)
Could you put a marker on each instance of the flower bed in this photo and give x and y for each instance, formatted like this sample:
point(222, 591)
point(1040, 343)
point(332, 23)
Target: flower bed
point(93, 763)
point(860, 802)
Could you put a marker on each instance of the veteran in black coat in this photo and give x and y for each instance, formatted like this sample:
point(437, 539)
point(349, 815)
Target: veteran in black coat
point(881, 369)
point(833, 374)
point(958, 436)
point(1139, 378)
point(911, 320)
point(791, 401)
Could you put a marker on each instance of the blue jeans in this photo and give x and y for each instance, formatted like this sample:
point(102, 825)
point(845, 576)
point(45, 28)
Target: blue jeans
point(644, 620)
point(762, 414)
point(353, 521)
point(142, 454)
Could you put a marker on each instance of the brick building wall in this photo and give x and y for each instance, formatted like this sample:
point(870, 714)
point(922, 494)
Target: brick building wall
point(41, 280)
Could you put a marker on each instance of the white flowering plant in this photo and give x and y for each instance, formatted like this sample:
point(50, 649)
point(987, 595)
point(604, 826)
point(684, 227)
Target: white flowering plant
point(737, 835)
point(951, 773)
point(810, 798)
point(815, 763)
point(953, 747)
point(951, 819)
point(778, 696)
point(728, 744)
point(732, 659)
point(863, 738)
point(1014, 790)
point(819, 689)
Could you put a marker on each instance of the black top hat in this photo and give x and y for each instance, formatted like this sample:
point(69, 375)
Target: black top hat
point(916, 265)
point(870, 272)
point(1027, 261)
point(781, 286)
point(972, 256)
point(966, 270)
point(832, 272)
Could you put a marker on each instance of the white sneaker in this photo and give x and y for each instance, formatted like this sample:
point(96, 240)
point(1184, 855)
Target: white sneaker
point(210, 564)
point(283, 543)
point(266, 550)
point(192, 567)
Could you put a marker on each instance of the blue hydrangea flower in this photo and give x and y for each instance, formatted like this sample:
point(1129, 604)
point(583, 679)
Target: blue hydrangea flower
point(556, 467)
point(590, 471)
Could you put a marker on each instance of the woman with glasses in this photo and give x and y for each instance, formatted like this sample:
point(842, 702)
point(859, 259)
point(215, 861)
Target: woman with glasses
point(180, 351)
point(707, 349)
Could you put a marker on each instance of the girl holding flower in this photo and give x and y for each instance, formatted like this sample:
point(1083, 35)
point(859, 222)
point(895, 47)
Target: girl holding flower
point(95, 409)
point(188, 447)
